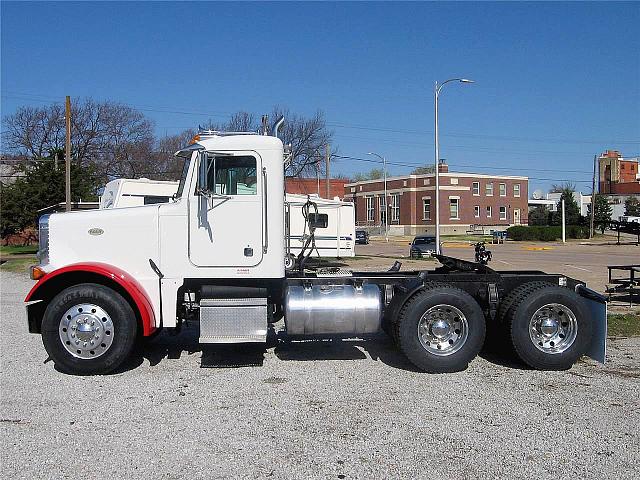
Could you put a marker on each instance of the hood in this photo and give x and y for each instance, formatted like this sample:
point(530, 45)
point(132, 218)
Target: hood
point(123, 237)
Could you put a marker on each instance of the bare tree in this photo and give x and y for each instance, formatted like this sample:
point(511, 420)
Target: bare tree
point(116, 140)
point(308, 138)
point(33, 132)
point(126, 141)
point(168, 166)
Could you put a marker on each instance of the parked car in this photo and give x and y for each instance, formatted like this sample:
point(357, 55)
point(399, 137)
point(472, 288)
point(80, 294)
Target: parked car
point(362, 237)
point(422, 245)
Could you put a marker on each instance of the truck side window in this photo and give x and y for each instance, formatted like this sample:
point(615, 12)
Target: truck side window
point(235, 175)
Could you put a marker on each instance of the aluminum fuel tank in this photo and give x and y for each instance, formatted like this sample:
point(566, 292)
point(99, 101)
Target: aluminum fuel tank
point(332, 309)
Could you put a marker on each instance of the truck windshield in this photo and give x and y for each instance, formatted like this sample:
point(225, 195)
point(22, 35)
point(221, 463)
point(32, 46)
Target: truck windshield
point(183, 177)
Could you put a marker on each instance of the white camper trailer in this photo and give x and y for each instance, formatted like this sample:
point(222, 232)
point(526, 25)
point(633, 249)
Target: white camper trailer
point(337, 239)
point(133, 192)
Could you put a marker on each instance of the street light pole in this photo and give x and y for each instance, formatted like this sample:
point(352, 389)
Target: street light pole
point(437, 153)
point(386, 198)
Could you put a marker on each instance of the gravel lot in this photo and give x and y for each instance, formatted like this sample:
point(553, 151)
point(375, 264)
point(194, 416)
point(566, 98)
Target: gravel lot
point(342, 409)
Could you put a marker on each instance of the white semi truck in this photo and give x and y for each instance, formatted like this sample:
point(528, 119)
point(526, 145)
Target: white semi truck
point(217, 256)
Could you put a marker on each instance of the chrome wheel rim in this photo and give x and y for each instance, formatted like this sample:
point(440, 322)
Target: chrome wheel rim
point(86, 331)
point(553, 328)
point(443, 330)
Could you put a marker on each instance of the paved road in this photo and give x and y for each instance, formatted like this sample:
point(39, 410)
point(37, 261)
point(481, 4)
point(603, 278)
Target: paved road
point(587, 262)
point(341, 409)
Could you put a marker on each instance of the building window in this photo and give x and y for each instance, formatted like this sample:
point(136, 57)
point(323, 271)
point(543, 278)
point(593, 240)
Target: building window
point(476, 188)
point(426, 209)
point(489, 189)
point(516, 190)
point(395, 207)
point(476, 211)
point(503, 189)
point(503, 213)
point(488, 212)
point(382, 208)
point(453, 209)
point(370, 209)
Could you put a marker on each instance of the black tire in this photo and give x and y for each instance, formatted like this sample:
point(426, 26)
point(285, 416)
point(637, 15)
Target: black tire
point(409, 318)
point(498, 338)
point(521, 313)
point(124, 322)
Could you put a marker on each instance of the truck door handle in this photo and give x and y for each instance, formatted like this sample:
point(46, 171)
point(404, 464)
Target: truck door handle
point(265, 223)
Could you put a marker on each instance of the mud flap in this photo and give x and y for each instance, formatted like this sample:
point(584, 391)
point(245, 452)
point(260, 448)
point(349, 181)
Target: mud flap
point(597, 305)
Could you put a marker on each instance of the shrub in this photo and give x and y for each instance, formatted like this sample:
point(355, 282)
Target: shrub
point(546, 233)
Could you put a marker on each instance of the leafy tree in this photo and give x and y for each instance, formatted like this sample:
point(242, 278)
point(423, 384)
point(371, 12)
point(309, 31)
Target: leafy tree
point(539, 215)
point(559, 188)
point(423, 170)
point(632, 206)
point(41, 186)
point(373, 174)
point(572, 209)
point(602, 212)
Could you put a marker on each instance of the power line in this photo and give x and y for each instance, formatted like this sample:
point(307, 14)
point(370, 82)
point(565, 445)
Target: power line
point(473, 135)
point(413, 165)
point(466, 166)
point(466, 147)
point(163, 109)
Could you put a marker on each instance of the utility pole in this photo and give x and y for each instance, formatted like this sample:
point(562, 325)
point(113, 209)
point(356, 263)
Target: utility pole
point(593, 197)
point(67, 155)
point(564, 236)
point(437, 153)
point(327, 157)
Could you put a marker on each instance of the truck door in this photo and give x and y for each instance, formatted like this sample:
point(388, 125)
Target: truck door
point(226, 224)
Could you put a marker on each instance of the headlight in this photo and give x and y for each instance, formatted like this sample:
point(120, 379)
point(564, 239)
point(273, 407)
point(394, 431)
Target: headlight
point(43, 239)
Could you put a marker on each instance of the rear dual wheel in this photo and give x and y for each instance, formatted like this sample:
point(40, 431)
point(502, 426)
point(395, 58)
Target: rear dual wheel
point(440, 329)
point(549, 326)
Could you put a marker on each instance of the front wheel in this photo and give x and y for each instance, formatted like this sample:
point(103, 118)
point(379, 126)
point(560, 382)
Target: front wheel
point(88, 329)
point(441, 329)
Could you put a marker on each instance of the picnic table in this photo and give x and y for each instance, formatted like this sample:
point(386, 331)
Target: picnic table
point(628, 282)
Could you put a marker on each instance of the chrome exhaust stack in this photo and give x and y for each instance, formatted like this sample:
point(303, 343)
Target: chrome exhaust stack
point(277, 125)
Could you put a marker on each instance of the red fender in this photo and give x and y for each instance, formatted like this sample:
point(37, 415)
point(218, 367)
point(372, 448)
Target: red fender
point(126, 281)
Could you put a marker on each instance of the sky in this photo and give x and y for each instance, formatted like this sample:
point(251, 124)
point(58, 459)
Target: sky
point(556, 83)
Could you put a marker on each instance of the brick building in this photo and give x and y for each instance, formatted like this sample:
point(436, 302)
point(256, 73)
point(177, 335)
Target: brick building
point(618, 175)
point(315, 186)
point(467, 201)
